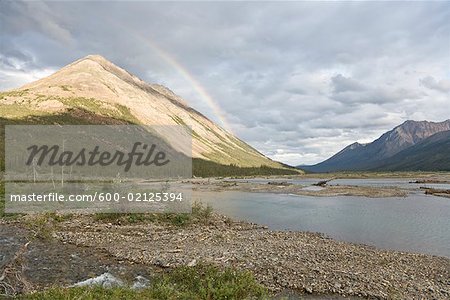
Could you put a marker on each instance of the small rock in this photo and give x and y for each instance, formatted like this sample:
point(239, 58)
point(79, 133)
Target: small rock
point(192, 263)
point(140, 283)
point(160, 263)
point(106, 280)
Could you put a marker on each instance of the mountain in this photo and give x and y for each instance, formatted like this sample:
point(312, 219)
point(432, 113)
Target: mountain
point(430, 154)
point(93, 90)
point(369, 156)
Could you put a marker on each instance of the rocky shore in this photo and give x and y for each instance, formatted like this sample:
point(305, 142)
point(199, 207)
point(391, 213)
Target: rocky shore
point(295, 189)
point(308, 263)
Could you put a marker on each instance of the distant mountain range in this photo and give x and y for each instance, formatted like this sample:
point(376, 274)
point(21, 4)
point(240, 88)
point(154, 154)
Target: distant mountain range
point(411, 146)
point(93, 90)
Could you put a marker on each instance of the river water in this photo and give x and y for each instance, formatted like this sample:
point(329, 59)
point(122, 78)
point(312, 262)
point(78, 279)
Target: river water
point(416, 223)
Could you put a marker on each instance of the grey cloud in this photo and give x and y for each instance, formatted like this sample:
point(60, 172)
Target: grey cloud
point(431, 83)
point(297, 80)
point(343, 84)
point(16, 60)
point(39, 14)
point(350, 91)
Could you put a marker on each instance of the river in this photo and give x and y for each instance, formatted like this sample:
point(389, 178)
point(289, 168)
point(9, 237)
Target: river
point(416, 223)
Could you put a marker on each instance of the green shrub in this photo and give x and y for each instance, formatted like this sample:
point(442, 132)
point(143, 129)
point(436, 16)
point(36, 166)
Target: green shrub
point(201, 213)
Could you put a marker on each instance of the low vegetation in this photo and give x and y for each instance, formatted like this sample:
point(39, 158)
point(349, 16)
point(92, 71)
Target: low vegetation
point(205, 168)
point(20, 93)
point(200, 214)
point(2, 199)
point(199, 282)
point(41, 226)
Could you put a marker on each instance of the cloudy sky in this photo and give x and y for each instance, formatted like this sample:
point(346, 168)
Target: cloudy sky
point(297, 80)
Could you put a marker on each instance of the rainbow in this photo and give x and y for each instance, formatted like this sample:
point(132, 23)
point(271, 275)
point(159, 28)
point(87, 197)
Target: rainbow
point(201, 91)
point(184, 72)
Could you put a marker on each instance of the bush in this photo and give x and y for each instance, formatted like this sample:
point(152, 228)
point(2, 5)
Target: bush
point(202, 213)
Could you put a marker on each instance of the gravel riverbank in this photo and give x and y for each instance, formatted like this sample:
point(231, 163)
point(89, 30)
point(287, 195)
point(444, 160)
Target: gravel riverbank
point(305, 262)
point(296, 189)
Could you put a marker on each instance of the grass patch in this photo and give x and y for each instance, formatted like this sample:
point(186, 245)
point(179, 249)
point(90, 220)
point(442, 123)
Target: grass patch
point(2, 199)
point(18, 111)
point(200, 214)
point(126, 114)
point(20, 93)
point(117, 111)
point(42, 225)
point(194, 283)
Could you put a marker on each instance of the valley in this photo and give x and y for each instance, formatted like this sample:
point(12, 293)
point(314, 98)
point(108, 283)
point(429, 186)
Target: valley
point(267, 225)
point(370, 222)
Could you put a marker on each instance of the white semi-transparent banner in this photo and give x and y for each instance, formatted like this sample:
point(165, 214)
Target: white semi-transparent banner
point(97, 168)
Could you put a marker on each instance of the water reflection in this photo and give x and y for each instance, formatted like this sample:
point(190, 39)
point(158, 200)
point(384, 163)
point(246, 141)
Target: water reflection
point(417, 223)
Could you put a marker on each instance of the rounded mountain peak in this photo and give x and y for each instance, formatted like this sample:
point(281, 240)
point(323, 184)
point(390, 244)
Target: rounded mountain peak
point(95, 57)
point(92, 58)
